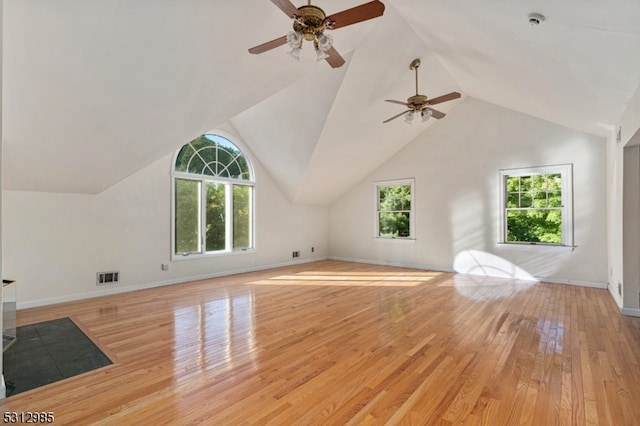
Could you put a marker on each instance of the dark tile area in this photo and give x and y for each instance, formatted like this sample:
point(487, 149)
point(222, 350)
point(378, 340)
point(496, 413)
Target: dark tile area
point(46, 352)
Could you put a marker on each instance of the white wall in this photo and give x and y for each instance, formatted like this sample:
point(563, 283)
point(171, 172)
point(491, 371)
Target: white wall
point(455, 165)
point(631, 226)
point(623, 187)
point(615, 176)
point(630, 120)
point(56, 243)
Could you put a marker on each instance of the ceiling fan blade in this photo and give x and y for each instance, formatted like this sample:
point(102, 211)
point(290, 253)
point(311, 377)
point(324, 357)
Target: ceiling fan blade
point(286, 6)
point(444, 98)
point(396, 116)
point(435, 113)
point(364, 12)
point(397, 102)
point(281, 41)
point(334, 59)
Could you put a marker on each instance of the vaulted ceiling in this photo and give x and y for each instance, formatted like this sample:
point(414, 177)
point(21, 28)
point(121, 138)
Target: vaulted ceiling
point(96, 90)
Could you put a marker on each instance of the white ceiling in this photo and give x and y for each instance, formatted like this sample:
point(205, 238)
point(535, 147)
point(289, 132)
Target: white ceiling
point(95, 90)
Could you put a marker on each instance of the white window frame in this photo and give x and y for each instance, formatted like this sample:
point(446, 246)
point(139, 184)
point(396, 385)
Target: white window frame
point(229, 183)
point(376, 212)
point(566, 173)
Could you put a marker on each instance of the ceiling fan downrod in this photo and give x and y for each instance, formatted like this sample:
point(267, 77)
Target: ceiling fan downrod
point(414, 66)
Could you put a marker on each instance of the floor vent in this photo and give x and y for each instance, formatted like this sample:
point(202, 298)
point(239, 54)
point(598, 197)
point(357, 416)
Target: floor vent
point(108, 278)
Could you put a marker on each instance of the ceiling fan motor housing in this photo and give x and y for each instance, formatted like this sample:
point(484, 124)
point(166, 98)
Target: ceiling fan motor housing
point(311, 22)
point(418, 102)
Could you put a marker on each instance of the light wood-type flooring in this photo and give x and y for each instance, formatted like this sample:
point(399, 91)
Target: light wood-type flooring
point(337, 343)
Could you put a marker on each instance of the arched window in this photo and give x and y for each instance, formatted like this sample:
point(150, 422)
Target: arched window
point(213, 198)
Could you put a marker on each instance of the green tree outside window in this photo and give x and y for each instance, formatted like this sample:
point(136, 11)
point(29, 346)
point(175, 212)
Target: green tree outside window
point(394, 211)
point(534, 209)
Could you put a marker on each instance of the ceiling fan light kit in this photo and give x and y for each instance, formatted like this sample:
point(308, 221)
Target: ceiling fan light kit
point(408, 117)
point(310, 24)
point(420, 104)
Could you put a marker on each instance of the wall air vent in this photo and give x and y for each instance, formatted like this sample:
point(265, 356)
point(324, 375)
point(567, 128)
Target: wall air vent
point(104, 278)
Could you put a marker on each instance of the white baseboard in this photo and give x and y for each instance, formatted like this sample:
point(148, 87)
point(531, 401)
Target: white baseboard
point(3, 387)
point(578, 283)
point(616, 297)
point(143, 286)
point(631, 312)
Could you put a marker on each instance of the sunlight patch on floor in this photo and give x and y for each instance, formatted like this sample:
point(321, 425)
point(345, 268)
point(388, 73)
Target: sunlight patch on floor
point(403, 279)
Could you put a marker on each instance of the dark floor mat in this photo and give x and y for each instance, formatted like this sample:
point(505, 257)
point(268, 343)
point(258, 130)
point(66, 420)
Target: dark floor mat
point(49, 351)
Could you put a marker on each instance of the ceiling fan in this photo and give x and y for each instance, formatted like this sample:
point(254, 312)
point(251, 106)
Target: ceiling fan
point(420, 104)
point(310, 23)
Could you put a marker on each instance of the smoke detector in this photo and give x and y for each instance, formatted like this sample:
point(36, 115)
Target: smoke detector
point(536, 18)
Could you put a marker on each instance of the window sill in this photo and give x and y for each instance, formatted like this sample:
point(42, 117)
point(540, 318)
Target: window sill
point(193, 256)
point(538, 247)
point(395, 240)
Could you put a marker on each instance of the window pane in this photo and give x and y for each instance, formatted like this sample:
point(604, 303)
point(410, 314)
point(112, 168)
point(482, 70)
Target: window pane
point(208, 155)
point(215, 225)
point(404, 195)
point(555, 199)
point(513, 199)
point(228, 166)
point(244, 168)
point(513, 184)
point(382, 196)
point(187, 216)
point(394, 224)
point(241, 217)
point(196, 165)
point(554, 182)
point(544, 226)
point(539, 199)
point(394, 198)
point(539, 183)
point(185, 154)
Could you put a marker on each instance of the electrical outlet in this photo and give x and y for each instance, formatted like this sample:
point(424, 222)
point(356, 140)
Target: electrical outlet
point(164, 266)
point(313, 249)
point(295, 254)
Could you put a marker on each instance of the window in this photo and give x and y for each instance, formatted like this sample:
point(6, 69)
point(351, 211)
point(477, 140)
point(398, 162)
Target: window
point(537, 205)
point(394, 209)
point(213, 198)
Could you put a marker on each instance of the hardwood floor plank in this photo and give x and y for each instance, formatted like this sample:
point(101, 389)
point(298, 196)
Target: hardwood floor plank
point(341, 343)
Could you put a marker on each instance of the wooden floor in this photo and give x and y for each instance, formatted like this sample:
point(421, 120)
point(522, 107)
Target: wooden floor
point(345, 343)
